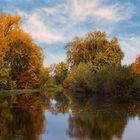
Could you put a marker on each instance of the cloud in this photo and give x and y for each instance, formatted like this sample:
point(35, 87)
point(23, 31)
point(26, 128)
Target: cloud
point(49, 10)
point(81, 9)
point(52, 23)
point(38, 29)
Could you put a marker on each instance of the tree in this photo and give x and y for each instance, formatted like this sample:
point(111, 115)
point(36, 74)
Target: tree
point(136, 65)
point(60, 72)
point(21, 60)
point(96, 48)
point(76, 84)
point(7, 25)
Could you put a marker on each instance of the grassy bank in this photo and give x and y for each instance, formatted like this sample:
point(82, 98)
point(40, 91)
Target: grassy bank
point(17, 92)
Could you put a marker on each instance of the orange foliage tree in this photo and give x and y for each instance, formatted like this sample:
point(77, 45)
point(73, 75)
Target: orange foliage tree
point(136, 65)
point(20, 59)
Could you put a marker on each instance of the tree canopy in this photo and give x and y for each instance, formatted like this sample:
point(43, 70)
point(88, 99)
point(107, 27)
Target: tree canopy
point(96, 48)
point(20, 58)
point(136, 65)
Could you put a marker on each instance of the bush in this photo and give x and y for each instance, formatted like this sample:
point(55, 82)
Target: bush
point(82, 83)
point(77, 81)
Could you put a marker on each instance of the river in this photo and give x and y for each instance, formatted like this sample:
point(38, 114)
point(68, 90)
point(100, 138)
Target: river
point(30, 117)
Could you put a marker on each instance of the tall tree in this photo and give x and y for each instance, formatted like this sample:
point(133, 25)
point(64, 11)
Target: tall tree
point(96, 48)
point(7, 25)
point(21, 59)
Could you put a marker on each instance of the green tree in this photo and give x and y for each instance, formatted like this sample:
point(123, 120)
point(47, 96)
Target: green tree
point(96, 48)
point(60, 72)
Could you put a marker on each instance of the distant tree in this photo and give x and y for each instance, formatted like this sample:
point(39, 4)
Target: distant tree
point(60, 72)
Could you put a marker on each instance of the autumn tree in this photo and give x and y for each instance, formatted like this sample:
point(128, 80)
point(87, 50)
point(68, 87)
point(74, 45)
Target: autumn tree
point(7, 25)
point(60, 72)
point(96, 48)
point(96, 70)
point(136, 65)
point(21, 59)
point(135, 87)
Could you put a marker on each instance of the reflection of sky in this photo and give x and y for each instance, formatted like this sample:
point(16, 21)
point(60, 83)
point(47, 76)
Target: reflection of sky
point(52, 23)
point(132, 131)
point(56, 127)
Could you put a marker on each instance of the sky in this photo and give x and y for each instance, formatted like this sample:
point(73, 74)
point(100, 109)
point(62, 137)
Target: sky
point(53, 23)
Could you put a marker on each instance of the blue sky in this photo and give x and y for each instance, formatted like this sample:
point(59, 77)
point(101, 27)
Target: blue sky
point(53, 23)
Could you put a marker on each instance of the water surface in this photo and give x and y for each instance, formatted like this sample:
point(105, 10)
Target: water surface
point(57, 127)
point(31, 117)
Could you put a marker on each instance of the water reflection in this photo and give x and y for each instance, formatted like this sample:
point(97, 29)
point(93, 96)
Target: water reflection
point(94, 122)
point(97, 126)
point(33, 117)
point(21, 117)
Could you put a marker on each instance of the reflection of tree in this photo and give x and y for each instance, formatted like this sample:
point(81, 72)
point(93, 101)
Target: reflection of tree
point(23, 121)
point(100, 125)
point(62, 103)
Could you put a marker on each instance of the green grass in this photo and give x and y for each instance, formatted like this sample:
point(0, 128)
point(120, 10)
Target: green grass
point(17, 92)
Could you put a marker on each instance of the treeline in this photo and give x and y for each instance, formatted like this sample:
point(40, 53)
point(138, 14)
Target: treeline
point(95, 69)
point(93, 65)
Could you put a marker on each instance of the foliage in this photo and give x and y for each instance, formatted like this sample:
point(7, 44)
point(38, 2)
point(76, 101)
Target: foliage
point(7, 25)
point(135, 88)
point(20, 59)
point(44, 76)
point(82, 83)
point(113, 81)
point(136, 65)
point(60, 72)
point(95, 48)
point(96, 70)
point(77, 82)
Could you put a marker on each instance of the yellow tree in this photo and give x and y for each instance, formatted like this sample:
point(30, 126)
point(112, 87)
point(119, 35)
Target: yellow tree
point(60, 72)
point(95, 48)
point(136, 65)
point(7, 24)
point(23, 58)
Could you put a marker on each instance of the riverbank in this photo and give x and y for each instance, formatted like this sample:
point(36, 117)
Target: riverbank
point(18, 91)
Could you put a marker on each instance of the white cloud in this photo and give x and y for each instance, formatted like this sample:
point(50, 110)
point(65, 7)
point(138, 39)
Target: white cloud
point(38, 29)
point(52, 24)
point(81, 9)
point(106, 13)
point(49, 10)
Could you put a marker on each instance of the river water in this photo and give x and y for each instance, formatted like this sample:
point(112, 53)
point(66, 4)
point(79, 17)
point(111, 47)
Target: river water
point(57, 127)
point(29, 117)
